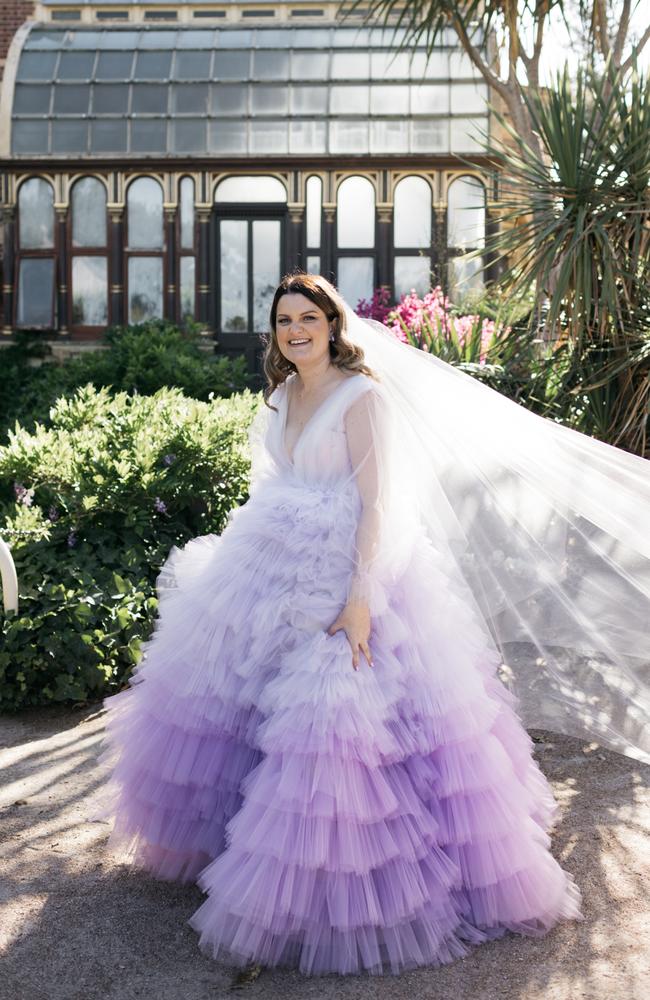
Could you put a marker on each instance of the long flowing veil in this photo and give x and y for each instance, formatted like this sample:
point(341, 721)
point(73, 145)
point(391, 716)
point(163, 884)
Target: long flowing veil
point(549, 529)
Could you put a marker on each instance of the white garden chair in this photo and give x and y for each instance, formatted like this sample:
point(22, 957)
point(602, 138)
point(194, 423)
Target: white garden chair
point(9, 579)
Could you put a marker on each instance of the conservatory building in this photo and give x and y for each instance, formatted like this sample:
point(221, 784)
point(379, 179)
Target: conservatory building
point(174, 161)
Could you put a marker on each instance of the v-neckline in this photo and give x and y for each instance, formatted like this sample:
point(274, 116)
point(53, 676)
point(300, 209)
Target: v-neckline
point(290, 459)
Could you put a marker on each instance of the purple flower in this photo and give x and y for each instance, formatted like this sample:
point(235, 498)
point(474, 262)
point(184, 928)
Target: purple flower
point(160, 505)
point(53, 514)
point(23, 495)
point(72, 539)
point(168, 459)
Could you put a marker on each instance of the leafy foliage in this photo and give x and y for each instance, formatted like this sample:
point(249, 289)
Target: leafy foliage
point(91, 506)
point(138, 359)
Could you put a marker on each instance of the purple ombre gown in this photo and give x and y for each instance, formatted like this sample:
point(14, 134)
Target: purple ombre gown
point(337, 820)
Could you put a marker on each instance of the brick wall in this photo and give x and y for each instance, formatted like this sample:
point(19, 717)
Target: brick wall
point(13, 13)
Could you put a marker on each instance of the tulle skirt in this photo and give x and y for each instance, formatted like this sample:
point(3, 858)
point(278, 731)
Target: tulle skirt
point(337, 820)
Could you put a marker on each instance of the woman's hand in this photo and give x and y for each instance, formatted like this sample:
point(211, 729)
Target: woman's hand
point(355, 620)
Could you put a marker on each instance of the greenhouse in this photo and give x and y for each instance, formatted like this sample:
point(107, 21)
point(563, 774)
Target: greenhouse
point(177, 170)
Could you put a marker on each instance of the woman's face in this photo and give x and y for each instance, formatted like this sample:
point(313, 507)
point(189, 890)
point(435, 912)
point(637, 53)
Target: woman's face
point(302, 330)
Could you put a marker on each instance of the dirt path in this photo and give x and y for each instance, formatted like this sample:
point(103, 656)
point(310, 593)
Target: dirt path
point(78, 924)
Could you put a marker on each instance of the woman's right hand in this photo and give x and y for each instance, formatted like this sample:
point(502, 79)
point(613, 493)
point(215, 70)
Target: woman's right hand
point(354, 619)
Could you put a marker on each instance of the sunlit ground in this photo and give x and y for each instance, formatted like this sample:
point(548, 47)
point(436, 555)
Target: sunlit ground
point(76, 922)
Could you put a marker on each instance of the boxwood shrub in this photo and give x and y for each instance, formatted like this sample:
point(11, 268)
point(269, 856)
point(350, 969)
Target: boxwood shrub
point(90, 505)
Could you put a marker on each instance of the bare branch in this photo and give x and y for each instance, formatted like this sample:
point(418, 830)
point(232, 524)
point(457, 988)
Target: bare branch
point(645, 37)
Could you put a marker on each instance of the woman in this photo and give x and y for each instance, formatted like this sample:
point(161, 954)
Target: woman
point(317, 734)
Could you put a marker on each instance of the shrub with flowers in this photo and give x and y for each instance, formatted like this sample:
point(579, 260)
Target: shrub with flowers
point(430, 324)
point(90, 505)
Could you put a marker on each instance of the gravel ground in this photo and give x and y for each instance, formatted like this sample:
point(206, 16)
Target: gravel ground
point(78, 924)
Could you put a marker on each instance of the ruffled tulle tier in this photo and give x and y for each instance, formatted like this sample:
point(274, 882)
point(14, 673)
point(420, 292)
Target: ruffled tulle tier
point(338, 820)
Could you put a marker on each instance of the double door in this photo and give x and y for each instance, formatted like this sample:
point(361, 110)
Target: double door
point(250, 259)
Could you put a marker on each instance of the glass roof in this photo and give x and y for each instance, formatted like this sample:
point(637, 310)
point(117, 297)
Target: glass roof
point(233, 91)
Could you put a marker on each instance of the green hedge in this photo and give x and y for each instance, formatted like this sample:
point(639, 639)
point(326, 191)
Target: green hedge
point(91, 505)
point(136, 359)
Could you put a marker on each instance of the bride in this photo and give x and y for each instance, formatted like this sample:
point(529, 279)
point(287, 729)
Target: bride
point(326, 731)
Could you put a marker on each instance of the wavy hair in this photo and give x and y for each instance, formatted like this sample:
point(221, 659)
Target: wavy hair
point(343, 353)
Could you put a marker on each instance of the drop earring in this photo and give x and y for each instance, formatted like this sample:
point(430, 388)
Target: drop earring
point(331, 334)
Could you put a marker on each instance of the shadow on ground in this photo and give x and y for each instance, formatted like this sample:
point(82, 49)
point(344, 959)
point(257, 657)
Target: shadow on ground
point(78, 924)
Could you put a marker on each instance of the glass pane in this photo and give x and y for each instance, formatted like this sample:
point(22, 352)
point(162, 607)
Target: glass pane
point(44, 38)
point(350, 65)
point(158, 39)
point(145, 288)
point(89, 291)
point(462, 67)
point(429, 136)
point(227, 137)
point(35, 292)
point(349, 100)
point(434, 68)
point(464, 277)
point(35, 215)
point(266, 269)
point(234, 274)
point(271, 65)
point(188, 296)
point(108, 137)
point(153, 65)
point(192, 65)
point(430, 99)
point(307, 137)
point(390, 65)
point(318, 38)
point(149, 136)
point(308, 100)
point(356, 279)
point(30, 137)
point(309, 65)
point(412, 213)
point(76, 65)
point(114, 66)
point(149, 98)
point(189, 135)
point(190, 98)
point(468, 99)
point(269, 136)
point(231, 66)
point(466, 134)
point(195, 39)
point(269, 100)
point(242, 189)
point(465, 213)
point(145, 214)
point(389, 100)
point(313, 265)
point(32, 100)
point(390, 136)
point(412, 273)
point(110, 98)
point(71, 100)
point(187, 213)
point(240, 38)
point(314, 208)
point(88, 213)
point(351, 37)
point(37, 65)
point(355, 214)
point(229, 98)
point(348, 137)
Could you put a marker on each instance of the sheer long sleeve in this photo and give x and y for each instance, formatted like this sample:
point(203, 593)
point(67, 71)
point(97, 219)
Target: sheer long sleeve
point(261, 459)
point(363, 428)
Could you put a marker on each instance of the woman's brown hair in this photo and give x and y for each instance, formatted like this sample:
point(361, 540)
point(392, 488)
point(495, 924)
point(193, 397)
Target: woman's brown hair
point(343, 353)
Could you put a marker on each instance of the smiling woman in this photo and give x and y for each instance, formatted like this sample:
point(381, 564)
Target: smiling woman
point(325, 742)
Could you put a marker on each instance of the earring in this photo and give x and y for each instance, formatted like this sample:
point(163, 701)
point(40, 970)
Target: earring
point(331, 334)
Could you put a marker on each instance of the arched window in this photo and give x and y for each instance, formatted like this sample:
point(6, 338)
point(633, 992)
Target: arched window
point(465, 232)
point(89, 256)
point(250, 188)
point(145, 246)
point(412, 228)
point(314, 211)
point(187, 247)
point(35, 306)
point(355, 233)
